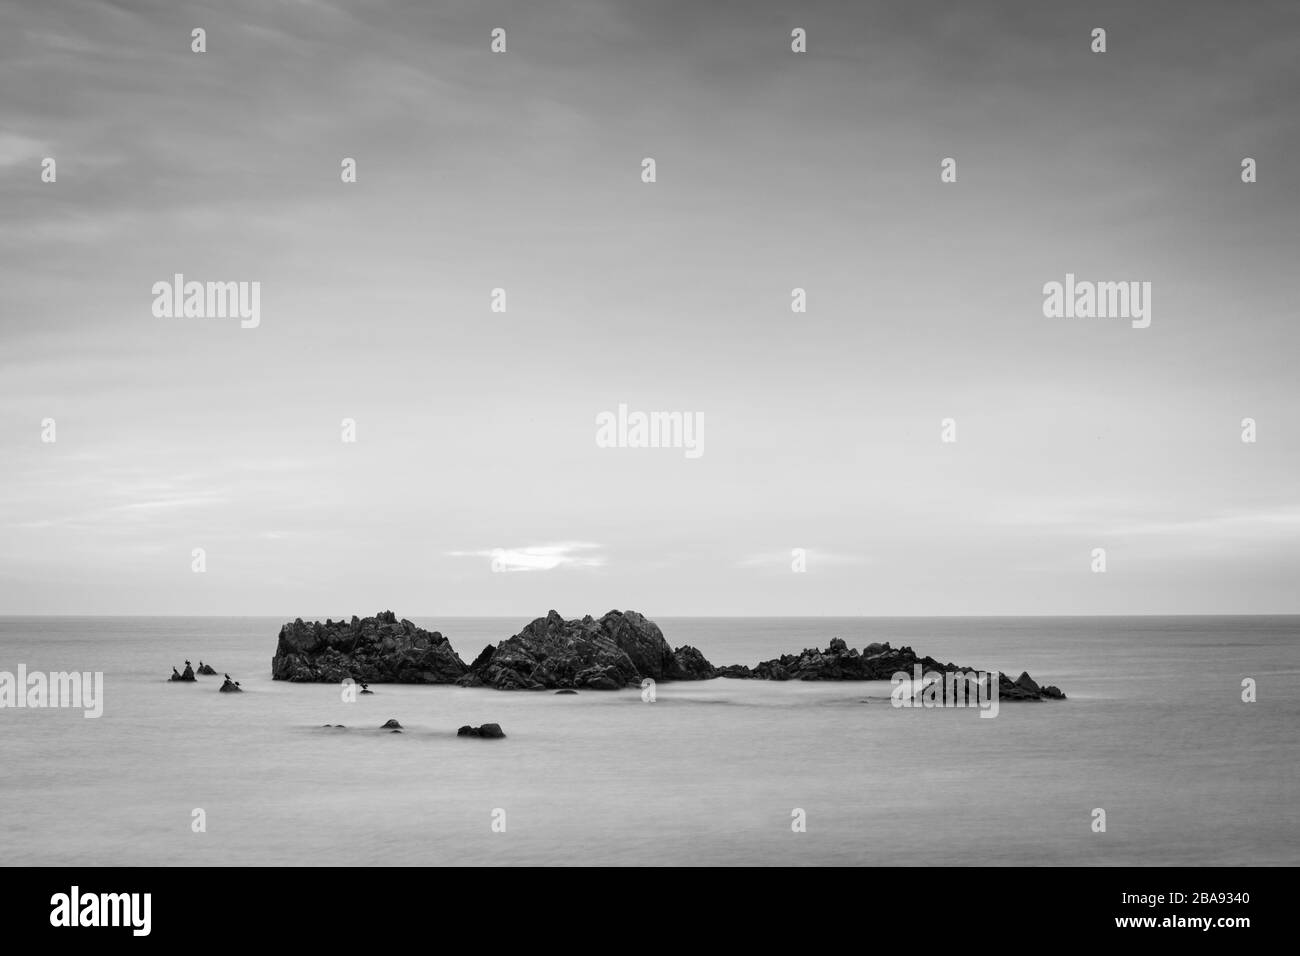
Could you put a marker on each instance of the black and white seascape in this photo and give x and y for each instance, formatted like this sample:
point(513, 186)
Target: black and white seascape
point(617, 433)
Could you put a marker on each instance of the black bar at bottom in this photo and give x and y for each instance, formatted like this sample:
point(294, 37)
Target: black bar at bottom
point(357, 905)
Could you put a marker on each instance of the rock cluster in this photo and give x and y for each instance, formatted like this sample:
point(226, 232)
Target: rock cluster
point(839, 662)
point(1025, 687)
point(620, 649)
point(486, 730)
point(373, 649)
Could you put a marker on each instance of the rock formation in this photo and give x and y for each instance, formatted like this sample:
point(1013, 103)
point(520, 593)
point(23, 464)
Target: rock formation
point(375, 649)
point(486, 730)
point(620, 649)
point(839, 662)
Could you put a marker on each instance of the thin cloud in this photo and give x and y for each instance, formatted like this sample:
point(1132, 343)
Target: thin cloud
point(541, 557)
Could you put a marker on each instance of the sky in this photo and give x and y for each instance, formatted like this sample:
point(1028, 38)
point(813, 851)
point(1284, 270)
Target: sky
point(475, 484)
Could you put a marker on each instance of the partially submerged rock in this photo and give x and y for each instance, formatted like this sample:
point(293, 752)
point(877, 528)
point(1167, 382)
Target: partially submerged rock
point(186, 677)
point(878, 661)
point(618, 650)
point(1025, 687)
point(231, 687)
point(391, 724)
point(206, 670)
point(370, 650)
point(841, 662)
point(486, 730)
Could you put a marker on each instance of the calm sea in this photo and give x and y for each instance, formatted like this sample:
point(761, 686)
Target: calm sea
point(1155, 733)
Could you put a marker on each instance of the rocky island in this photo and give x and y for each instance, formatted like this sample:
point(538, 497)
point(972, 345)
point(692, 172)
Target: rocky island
point(376, 650)
point(619, 649)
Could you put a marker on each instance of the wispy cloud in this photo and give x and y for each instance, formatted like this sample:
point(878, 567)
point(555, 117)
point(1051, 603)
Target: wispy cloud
point(1283, 523)
point(540, 557)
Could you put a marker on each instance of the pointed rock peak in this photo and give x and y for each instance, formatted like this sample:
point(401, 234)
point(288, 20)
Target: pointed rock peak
point(1027, 682)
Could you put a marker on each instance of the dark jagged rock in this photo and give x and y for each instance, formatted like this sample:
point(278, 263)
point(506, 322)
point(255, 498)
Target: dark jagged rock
point(690, 664)
point(486, 730)
point(391, 724)
point(206, 670)
point(618, 650)
point(472, 678)
point(231, 687)
point(379, 649)
point(1025, 687)
point(839, 662)
point(736, 671)
point(1027, 683)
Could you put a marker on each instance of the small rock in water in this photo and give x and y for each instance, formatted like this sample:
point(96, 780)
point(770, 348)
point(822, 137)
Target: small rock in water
point(392, 724)
point(567, 690)
point(486, 730)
